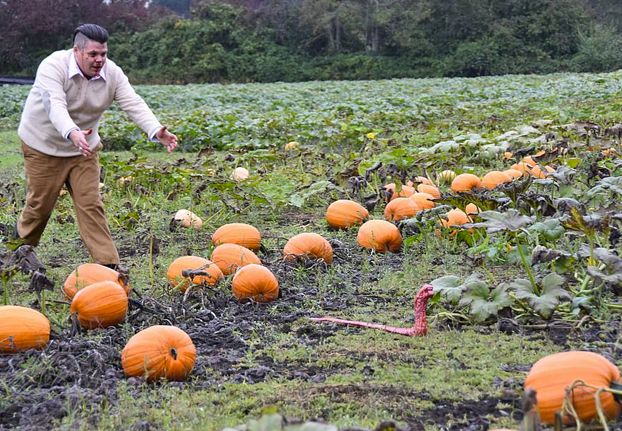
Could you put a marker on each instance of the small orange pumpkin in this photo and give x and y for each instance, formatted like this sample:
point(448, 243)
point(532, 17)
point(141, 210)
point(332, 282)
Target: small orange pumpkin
point(308, 244)
point(160, 351)
point(22, 328)
point(472, 209)
point(379, 235)
point(539, 171)
point(256, 282)
point(193, 269)
point(90, 273)
point(513, 173)
point(465, 183)
point(405, 191)
point(493, 178)
point(100, 305)
point(344, 213)
point(522, 167)
point(455, 217)
point(238, 233)
point(424, 201)
point(230, 257)
point(401, 208)
point(529, 161)
point(552, 375)
point(432, 190)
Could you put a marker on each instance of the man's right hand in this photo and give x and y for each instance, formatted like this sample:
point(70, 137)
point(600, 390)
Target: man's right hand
point(78, 137)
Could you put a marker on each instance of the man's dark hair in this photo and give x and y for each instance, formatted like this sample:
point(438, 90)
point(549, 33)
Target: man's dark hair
point(92, 32)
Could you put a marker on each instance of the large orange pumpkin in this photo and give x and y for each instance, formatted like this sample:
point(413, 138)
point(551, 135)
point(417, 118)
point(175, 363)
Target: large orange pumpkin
point(345, 213)
point(423, 200)
point(256, 282)
point(90, 273)
point(465, 183)
point(308, 244)
point(22, 328)
point(238, 233)
point(401, 208)
point(552, 375)
point(157, 352)
point(193, 269)
point(230, 257)
point(379, 235)
point(100, 305)
point(493, 178)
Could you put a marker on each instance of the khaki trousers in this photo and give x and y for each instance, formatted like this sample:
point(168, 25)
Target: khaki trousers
point(46, 176)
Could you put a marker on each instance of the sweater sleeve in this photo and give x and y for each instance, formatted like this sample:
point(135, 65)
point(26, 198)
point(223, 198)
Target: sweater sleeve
point(50, 81)
point(134, 105)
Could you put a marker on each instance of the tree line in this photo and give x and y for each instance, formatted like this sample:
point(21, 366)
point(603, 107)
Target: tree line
point(192, 41)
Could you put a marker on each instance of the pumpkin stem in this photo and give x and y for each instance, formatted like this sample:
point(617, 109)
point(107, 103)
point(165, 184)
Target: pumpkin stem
point(616, 390)
point(173, 352)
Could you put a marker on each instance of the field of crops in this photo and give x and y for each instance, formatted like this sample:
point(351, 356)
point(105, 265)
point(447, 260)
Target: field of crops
point(534, 271)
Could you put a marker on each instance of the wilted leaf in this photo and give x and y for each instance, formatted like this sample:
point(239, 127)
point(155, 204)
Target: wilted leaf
point(510, 221)
point(541, 254)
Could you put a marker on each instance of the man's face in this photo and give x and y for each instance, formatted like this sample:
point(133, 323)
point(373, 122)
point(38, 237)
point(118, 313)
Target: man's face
point(91, 59)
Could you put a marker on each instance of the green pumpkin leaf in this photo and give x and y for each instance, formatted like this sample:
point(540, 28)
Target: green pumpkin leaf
point(546, 300)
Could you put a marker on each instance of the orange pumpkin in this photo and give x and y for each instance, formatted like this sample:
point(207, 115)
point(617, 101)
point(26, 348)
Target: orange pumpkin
point(157, 352)
point(90, 273)
point(513, 173)
point(493, 178)
point(180, 272)
point(471, 209)
point(100, 305)
point(522, 167)
point(230, 257)
point(405, 191)
point(465, 183)
point(22, 328)
point(379, 235)
point(423, 200)
point(529, 161)
point(455, 217)
point(539, 171)
point(256, 282)
point(432, 190)
point(308, 244)
point(344, 213)
point(552, 375)
point(238, 233)
point(401, 208)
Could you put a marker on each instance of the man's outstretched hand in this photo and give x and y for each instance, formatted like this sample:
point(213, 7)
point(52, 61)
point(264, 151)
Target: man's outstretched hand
point(78, 137)
point(168, 139)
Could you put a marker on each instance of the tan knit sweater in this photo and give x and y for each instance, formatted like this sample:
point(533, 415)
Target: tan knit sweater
point(57, 104)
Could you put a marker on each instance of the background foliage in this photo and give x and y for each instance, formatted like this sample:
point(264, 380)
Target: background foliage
point(193, 41)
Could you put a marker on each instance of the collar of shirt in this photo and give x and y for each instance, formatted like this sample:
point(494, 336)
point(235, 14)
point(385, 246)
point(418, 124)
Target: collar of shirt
point(75, 70)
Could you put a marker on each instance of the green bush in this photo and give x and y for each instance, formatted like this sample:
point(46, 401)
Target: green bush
point(601, 51)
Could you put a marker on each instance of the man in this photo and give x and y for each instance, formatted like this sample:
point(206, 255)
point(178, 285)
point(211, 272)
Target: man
point(60, 140)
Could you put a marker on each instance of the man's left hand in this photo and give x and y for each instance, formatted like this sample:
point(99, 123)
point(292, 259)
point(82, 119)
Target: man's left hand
point(167, 139)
